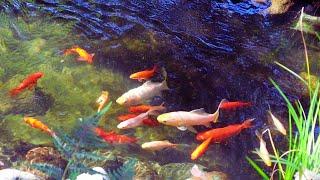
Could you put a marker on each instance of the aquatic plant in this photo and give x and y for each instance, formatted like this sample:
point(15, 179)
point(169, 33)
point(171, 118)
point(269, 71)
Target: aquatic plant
point(75, 149)
point(302, 159)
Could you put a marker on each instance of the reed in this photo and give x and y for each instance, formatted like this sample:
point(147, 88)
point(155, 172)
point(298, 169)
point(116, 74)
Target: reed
point(302, 159)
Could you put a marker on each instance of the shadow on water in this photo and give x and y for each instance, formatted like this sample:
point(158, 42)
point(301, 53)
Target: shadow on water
point(211, 50)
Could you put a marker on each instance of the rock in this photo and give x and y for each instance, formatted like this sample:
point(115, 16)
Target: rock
point(279, 6)
point(13, 174)
point(87, 176)
point(45, 155)
point(306, 174)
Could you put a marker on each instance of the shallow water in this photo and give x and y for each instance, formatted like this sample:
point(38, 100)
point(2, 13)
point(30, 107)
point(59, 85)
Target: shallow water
point(211, 51)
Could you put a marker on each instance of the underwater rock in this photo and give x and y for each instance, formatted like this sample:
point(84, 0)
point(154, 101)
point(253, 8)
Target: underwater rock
point(13, 174)
point(46, 155)
point(87, 176)
point(182, 171)
point(279, 6)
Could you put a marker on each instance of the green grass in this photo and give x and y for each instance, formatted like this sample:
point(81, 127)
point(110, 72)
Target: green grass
point(303, 152)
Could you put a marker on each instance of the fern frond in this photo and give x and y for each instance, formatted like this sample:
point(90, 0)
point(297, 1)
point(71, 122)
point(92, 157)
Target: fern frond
point(83, 155)
point(48, 169)
point(126, 171)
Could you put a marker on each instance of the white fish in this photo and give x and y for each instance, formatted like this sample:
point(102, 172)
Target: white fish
point(13, 174)
point(198, 174)
point(144, 92)
point(263, 151)
point(185, 120)
point(157, 145)
point(279, 126)
point(133, 122)
point(138, 120)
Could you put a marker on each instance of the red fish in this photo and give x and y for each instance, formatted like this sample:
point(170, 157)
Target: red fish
point(221, 134)
point(150, 122)
point(83, 54)
point(113, 138)
point(235, 104)
point(29, 83)
point(144, 75)
point(126, 116)
point(139, 109)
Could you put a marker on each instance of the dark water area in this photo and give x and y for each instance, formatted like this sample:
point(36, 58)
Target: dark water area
point(211, 50)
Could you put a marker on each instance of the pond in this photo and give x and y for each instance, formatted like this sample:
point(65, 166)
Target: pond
point(210, 51)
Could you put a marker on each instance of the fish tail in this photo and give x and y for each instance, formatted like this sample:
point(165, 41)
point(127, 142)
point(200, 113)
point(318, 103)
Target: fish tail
point(155, 68)
point(216, 114)
point(247, 123)
point(15, 91)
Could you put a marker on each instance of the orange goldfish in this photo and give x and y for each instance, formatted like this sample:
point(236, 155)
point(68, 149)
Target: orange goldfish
point(139, 109)
point(144, 75)
point(235, 104)
point(126, 116)
point(201, 149)
point(102, 100)
point(38, 125)
point(220, 134)
point(83, 54)
point(29, 83)
point(111, 137)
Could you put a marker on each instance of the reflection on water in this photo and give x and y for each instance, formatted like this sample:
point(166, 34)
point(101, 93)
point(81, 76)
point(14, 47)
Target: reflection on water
point(211, 50)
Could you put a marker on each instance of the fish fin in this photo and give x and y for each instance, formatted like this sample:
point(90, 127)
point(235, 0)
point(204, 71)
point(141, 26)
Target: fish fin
point(147, 83)
point(155, 68)
point(196, 171)
point(81, 59)
point(192, 129)
point(247, 123)
point(92, 54)
point(182, 128)
point(30, 86)
point(208, 125)
point(216, 113)
point(199, 111)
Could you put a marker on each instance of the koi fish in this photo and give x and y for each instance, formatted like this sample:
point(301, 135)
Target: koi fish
point(221, 134)
point(102, 100)
point(201, 149)
point(144, 92)
point(158, 145)
point(144, 75)
point(138, 120)
point(113, 138)
point(126, 116)
point(29, 83)
point(139, 109)
point(83, 54)
point(235, 104)
point(150, 122)
point(263, 151)
point(38, 125)
point(184, 120)
point(279, 126)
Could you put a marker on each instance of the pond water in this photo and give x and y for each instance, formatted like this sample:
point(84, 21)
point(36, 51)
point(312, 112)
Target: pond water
point(210, 50)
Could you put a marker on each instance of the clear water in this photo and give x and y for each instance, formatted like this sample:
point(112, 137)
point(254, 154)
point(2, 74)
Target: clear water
point(211, 51)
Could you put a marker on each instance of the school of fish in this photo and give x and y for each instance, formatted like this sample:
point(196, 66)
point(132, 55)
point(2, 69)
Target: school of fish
point(140, 112)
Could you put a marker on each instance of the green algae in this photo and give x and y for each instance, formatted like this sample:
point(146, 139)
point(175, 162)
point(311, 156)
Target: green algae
point(74, 86)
